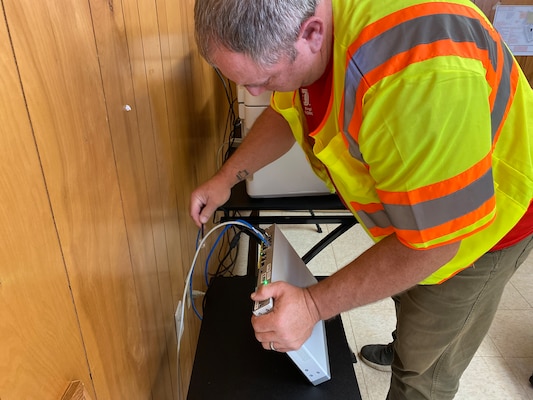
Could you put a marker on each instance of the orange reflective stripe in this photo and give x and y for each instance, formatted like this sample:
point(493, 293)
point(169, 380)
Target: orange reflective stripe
point(419, 10)
point(381, 232)
point(430, 234)
point(417, 54)
point(425, 214)
point(368, 208)
point(369, 59)
point(379, 223)
point(439, 189)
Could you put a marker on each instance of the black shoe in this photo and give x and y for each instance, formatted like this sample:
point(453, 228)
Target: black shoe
point(378, 356)
point(531, 379)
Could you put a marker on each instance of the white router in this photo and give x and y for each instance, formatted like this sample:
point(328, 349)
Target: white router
point(280, 262)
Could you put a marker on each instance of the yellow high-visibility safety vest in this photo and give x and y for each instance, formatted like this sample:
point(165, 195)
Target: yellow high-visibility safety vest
point(429, 129)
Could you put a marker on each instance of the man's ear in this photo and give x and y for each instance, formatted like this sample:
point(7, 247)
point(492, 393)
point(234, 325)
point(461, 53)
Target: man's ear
point(312, 33)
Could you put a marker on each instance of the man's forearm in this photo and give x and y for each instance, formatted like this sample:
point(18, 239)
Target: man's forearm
point(269, 138)
point(387, 268)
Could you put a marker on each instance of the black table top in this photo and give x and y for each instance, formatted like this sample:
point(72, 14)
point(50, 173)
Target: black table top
point(240, 200)
point(231, 364)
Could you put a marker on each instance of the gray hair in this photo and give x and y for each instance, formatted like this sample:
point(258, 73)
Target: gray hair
point(264, 30)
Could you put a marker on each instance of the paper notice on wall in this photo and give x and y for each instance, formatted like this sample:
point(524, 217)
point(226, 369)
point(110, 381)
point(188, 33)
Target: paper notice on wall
point(515, 25)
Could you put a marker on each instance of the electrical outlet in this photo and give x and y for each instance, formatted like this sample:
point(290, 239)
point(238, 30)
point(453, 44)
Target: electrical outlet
point(197, 293)
point(178, 318)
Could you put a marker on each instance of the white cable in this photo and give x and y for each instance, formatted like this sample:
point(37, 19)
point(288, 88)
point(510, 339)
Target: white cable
point(191, 270)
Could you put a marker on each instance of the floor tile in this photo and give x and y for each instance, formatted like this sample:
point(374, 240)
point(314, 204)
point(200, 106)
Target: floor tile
point(350, 245)
point(523, 280)
point(512, 332)
point(490, 378)
point(373, 323)
point(512, 298)
point(523, 369)
point(488, 348)
point(303, 238)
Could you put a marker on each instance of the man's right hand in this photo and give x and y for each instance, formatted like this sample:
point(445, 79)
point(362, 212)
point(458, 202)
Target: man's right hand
point(269, 139)
point(206, 198)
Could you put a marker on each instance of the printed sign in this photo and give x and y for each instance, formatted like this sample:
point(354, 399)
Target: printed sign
point(515, 25)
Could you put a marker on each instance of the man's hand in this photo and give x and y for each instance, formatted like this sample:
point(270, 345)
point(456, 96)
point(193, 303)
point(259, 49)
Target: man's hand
point(269, 138)
point(291, 321)
point(206, 198)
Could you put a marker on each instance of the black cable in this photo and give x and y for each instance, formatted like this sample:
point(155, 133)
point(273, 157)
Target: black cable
point(233, 123)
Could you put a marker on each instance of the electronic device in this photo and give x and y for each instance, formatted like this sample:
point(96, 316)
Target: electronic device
point(288, 176)
point(278, 261)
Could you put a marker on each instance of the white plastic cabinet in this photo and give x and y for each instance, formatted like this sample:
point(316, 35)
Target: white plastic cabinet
point(289, 175)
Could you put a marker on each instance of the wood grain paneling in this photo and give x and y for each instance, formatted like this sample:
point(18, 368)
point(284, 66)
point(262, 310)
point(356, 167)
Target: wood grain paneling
point(40, 342)
point(76, 391)
point(146, 185)
point(113, 120)
point(62, 85)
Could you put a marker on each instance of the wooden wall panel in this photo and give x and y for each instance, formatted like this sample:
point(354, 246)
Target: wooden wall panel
point(137, 168)
point(195, 131)
point(126, 120)
point(60, 73)
point(41, 346)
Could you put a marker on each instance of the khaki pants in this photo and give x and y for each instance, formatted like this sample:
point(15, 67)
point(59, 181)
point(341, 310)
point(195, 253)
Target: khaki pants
point(440, 327)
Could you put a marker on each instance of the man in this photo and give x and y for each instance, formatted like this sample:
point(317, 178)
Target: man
point(420, 119)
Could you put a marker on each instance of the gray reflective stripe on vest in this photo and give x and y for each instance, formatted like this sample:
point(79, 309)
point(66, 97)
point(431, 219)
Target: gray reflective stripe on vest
point(503, 93)
point(428, 214)
point(423, 30)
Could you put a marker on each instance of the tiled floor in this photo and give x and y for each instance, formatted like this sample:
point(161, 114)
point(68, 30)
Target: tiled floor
point(504, 362)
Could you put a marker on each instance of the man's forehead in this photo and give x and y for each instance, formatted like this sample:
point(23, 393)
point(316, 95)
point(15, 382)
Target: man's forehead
point(241, 68)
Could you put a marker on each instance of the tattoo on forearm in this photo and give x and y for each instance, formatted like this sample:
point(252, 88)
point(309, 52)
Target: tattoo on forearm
point(242, 175)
